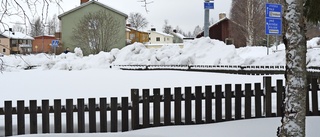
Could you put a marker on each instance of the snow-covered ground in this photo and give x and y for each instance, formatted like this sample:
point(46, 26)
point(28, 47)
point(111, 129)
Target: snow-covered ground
point(73, 75)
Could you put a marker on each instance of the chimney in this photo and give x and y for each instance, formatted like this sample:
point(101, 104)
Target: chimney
point(222, 15)
point(83, 1)
point(153, 29)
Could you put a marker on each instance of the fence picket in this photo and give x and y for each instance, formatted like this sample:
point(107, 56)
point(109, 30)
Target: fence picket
point(280, 90)
point(156, 107)
point(257, 94)
point(21, 117)
point(198, 111)
point(103, 114)
point(177, 106)
point(135, 109)
point(8, 118)
point(167, 106)
point(81, 115)
point(69, 115)
point(33, 117)
point(218, 97)
point(45, 116)
point(247, 101)
point(92, 115)
point(268, 101)
point(146, 107)
point(114, 114)
point(188, 112)
point(124, 114)
point(208, 93)
point(314, 91)
point(237, 105)
point(57, 116)
point(228, 102)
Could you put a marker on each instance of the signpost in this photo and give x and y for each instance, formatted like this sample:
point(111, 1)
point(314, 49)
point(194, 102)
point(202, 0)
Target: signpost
point(273, 25)
point(207, 6)
point(54, 45)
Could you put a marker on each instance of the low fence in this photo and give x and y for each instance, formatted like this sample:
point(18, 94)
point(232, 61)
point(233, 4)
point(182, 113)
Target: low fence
point(162, 107)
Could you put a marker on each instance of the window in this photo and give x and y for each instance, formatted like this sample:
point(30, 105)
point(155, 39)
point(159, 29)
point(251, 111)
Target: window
point(157, 38)
point(4, 50)
point(93, 24)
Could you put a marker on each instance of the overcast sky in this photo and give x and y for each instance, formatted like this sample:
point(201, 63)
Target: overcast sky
point(186, 14)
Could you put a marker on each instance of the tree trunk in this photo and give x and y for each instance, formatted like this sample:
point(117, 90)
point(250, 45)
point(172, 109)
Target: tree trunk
point(294, 105)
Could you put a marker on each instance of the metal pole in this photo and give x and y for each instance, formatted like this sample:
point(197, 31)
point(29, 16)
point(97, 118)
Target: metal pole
point(206, 21)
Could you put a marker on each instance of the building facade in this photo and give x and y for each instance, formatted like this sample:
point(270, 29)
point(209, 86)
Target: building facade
point(156, 37)
point(15, 43)
point(42, 44)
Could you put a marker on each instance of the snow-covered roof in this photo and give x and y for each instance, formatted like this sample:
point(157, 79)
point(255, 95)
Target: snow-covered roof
point(92, 2)
point(162, 33)
point(179, 35)
point(225, 18)
point(16, 35)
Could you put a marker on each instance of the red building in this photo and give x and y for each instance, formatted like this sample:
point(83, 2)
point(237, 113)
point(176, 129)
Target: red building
point(42, 44)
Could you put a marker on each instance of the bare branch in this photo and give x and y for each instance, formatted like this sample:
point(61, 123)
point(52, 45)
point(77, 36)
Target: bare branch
point(145, 3)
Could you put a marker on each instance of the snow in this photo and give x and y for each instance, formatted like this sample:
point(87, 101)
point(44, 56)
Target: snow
point(75, 76)
point(16, 35)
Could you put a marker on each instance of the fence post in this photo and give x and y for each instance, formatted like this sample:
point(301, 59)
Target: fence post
point(69, 115)
point(103, 114)
point(156, 107)
point(114, 114)
point(228, 102)
point(268, 101)
point(177, 106)
point(8, 118)
point(188, 108)
point(198, 104)
point(208, 92)
point(280, 90)
point(135, 108)
point(57, 116)
point(167, 106)
point(314, 84)
point(33, 117)
point(257, 93)
point(218, 94)
point(81, 117)
point(247, 101)
point(237, 105)
point(21, 117)
point(124, 112)
point(92, 115)
point(146, 108)
point(45, 116)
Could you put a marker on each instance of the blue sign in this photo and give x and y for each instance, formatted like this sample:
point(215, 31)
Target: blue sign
point(273, 26)
point(55, 43)
point(273, 19)
point(273, 10)
point(208, 5)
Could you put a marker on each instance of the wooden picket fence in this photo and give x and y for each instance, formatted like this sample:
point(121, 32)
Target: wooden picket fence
point(176, 106)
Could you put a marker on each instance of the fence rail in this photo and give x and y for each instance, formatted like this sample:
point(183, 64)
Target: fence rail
point(155, 107)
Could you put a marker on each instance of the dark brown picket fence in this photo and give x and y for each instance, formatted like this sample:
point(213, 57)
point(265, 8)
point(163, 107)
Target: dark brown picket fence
point(176, 106)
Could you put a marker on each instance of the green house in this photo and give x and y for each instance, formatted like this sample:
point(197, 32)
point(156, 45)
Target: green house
point(71, 18)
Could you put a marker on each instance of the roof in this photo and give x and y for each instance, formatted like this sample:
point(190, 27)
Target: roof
point(162, 33)
point(16, 35)
point(179, 35)
point(44, 36)
point(92, 2)
point(131, 28)
point(223, 19)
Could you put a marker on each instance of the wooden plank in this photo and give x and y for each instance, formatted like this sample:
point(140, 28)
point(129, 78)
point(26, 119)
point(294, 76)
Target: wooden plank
point(114, 114)
point(198, 94)
point(247, 102)
point(237, 105)
point(228, 102)
point(135, 108)
point(177, 106)
point(57, 116)
point(314, 90)
point(103, 114)
point(92, 115)
point(33, 117)
point(146, 108)
point(21, 117)
point(124, 112)
point(188, 109)
point(8, 118)
point(45, 116)
point(156, 107)
point(268, 101)
point(257, 95)
point(69, 115)
point(280, 91)
point(218, 98)
point(81, 115)
point(208, 99)
point(167, 106)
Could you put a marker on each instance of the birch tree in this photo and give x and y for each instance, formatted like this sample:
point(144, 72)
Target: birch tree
point(137, 21)
point(294, 105)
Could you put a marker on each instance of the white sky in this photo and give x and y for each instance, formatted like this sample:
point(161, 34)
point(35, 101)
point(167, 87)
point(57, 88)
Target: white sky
point(90, 76)
point(186, 14)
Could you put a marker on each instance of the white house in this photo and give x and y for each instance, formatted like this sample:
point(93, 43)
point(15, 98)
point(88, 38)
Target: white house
point(156, 37)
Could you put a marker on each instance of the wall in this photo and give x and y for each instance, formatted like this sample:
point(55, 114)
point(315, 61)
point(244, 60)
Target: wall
point(153, 35)
point(4, 46)
point(69, 21)
point(37, 44)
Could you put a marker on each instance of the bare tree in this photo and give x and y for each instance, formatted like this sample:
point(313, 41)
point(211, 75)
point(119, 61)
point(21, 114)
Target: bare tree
point(18, 28)
point(37, 28)
point(137, 21)
point(247, 16)
point(166, 27)
point(96, 31)
point(53, 24)
point(24, 10)
point(197, 30)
